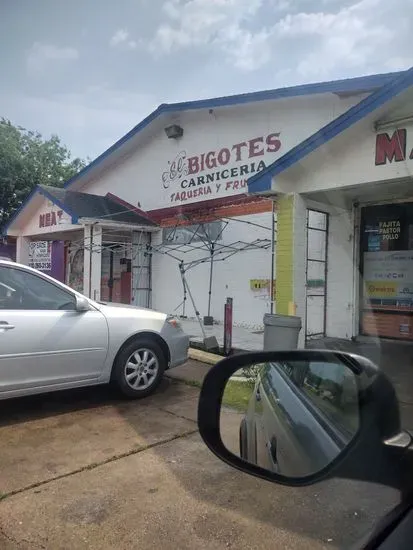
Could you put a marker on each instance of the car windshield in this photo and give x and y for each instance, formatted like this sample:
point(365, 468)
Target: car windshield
point(243, 167)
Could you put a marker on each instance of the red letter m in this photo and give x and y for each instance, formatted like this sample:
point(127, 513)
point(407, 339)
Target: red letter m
point(391, 148)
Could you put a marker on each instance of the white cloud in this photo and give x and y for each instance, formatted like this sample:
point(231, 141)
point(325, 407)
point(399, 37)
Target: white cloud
point(40, 55)
point(122, 39)
point(219, 23)
point(350, 38)
point(317, 38)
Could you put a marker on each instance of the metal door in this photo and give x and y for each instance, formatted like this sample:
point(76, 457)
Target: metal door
point(141, 269)
point(316, 274)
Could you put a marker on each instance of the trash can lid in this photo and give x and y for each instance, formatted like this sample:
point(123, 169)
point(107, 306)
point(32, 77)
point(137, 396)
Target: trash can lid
point(277, 320)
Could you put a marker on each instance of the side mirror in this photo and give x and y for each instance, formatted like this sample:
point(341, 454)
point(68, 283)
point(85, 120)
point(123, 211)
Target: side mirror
point(297, 417)
point(82, 304)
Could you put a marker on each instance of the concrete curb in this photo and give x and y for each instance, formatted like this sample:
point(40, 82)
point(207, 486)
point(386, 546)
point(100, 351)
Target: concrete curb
point(204, 356)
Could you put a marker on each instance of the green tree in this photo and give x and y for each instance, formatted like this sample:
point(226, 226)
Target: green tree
point(27, 160)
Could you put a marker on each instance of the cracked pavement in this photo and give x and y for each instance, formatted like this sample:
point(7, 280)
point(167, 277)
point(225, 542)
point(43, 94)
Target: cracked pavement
point(84, 469)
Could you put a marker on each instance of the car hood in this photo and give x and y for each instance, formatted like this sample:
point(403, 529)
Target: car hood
point(129, 310)
point(126, 306)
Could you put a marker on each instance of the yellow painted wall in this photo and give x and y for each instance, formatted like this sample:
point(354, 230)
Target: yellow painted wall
point(285, 255)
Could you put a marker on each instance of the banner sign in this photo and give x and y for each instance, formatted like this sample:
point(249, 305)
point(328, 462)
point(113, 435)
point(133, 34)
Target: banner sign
point(40, 255)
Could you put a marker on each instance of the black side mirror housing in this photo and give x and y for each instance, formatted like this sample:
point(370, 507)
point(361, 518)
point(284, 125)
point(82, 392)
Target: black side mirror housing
point(376, 450)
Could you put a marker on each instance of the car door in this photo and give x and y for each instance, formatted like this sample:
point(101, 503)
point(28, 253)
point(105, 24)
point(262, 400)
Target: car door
point(312, 419)
point(276, 420)
point(44, 341)
point(264, 413)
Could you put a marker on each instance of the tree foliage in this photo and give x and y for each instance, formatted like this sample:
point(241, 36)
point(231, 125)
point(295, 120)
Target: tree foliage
point(27, 160)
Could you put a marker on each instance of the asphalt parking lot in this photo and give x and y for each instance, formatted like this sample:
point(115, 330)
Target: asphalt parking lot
point(85, 469)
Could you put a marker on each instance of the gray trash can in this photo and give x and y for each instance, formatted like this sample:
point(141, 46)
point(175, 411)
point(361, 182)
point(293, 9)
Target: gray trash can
point(281, 332)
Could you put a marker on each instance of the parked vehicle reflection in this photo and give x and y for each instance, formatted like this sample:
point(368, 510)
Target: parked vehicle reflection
point(295, 418)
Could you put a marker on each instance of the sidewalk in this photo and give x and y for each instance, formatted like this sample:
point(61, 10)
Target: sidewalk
point(192, 372)
point(242, 338)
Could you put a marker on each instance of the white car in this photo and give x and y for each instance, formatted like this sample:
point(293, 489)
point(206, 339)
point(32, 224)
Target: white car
point(53, 338)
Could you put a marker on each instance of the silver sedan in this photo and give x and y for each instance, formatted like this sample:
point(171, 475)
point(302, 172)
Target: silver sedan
point(53, 338)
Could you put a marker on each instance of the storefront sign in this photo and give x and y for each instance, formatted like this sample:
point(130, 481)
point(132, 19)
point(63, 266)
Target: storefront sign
point(49, 219)
point(392, 147)
point(389, 230)
point(262, 288)
point(221, 172)
point(40, 255)
point(388, 277)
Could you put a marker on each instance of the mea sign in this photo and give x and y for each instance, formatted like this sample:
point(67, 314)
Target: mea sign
point(391, 148)
point(50, 218)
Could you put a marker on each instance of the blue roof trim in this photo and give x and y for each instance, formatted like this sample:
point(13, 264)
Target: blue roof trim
point(263, 180)
point(263, 184)
point(39, 189)
point(349, 85)
point(56, 201)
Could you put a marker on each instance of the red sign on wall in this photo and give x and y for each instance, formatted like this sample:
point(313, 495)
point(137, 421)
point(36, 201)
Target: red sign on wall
point(391, 148)
point(50, 218)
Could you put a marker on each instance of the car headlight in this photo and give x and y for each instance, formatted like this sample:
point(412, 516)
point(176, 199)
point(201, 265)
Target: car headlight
point(173, 321)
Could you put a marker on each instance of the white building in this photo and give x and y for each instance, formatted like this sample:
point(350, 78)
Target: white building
point(197, 180)
point(358, 170)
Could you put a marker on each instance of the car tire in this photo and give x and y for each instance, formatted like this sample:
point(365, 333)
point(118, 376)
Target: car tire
point(243, 440)
point(139, 368)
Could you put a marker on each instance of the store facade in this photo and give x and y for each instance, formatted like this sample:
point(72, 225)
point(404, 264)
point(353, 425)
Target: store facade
point(187, 172)
point(358, 171)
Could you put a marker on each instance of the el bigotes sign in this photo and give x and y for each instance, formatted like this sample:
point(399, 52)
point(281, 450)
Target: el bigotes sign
point(221, 172)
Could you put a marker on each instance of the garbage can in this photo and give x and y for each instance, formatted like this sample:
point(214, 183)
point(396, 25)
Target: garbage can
point(281, 332)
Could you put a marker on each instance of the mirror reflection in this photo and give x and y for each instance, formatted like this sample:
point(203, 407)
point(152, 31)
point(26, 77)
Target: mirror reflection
point(292, 418)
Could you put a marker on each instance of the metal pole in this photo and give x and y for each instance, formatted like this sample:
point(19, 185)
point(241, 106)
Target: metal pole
point(211, 269)
point(110, 281)
point(272, 257)
point(184, 300)
point(185, 283)
point(90, 262)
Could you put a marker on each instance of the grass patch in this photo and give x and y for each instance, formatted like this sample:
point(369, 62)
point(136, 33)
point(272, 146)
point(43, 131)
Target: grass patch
point(237, 394)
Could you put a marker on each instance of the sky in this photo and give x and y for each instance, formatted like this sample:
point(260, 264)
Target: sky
point(90, 70)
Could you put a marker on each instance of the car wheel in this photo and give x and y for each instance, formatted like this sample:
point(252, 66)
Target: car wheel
point(139, 368)
point(243, 440)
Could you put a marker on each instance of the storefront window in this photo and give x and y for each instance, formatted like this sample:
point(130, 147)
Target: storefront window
point(387, 271)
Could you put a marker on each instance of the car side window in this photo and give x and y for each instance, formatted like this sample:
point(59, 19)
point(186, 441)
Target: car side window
point(20, 289)
point(334, 392)
point(295, 372)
